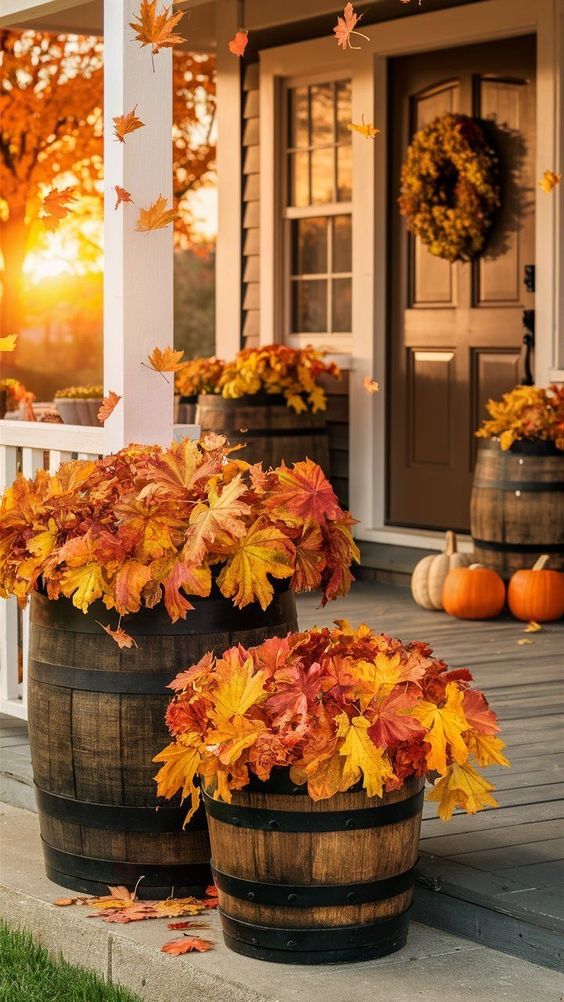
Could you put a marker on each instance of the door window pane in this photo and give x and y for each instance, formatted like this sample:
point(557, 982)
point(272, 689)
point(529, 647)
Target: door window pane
point(309, 306)
point(309, 246)
point(344, 173)
point(322, 114)
point(298, 176)
point(298, 117)
point(341, 305)
point(322, 175)
point(344, 110)
point(342, 243)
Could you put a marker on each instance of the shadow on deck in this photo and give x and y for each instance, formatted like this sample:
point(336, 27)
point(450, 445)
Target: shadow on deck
point(495, 877)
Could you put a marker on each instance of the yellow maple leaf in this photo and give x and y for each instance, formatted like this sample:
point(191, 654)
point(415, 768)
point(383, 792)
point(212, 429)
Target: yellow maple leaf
point(156, 216)
point(123, 125)
point(181, 763)
point(166, 360)
point(462, 787)
point(83, 584)
point(8, 343)
point(233, 735)
point(221, 515)
point(155, 29)
point(443, 724)
point(329, 777)
point(365, 129)
point(263, 551)
point(239, 687)
point(121, 638)
point(362, 757)
point(56, 205)
point(487, 749)
point(549, 180)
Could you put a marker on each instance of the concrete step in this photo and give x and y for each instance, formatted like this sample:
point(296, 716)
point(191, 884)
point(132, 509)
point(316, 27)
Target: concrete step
point(433, 967)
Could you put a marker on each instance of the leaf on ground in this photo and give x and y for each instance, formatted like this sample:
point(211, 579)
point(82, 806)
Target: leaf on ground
point(238, 43)
point(524, 640)
point(122, 195)
point(156, 30)
point(167, 360)
point(187, 944)
point(8, 343)
point(533, 627)
point(108, 405)
point(56, 205)
point(124, 124)
point(65, 902)
point(187, 925)
point(366, 129)
point(370, 385)
point(122, 639)
point(156, 216)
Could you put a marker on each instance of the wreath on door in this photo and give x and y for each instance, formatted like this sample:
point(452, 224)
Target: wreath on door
point(450, 187)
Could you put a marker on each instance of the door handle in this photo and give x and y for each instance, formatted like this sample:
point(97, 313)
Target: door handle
point(529, 342)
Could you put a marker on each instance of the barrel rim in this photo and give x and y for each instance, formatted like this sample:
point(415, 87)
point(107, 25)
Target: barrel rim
point(522, 447)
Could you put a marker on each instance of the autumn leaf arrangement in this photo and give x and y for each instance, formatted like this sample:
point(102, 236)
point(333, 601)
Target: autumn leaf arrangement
point(526, 412)
point(199, 375)
point(337, 707)
point(279, 370)
point(151, 525)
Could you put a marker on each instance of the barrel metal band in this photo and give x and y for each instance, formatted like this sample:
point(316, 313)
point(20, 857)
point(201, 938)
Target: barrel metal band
point(334, 938)
point(322, 821)
point(524, 486)
point(300, 896)
point(499, 547)
point(133, 683)
point(116, 871)
point(119, 817)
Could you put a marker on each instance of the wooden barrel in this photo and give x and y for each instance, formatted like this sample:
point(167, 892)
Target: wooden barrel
point(96, 720)
point(517, 508)
point(314, 883)
point(271, 431)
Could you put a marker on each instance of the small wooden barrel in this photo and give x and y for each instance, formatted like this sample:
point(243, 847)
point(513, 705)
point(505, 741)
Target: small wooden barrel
point(96, 720)
point(186, 410)
point(517, 509)
point(314, 883)
point(270, 430)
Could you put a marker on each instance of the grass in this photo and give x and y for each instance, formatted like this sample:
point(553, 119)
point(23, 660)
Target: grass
point(28, 973)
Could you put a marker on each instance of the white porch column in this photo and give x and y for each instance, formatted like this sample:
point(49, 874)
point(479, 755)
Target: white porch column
point(228, 19)
point(138, 267)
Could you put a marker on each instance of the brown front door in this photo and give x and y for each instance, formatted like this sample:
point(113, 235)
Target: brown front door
point(456, 330)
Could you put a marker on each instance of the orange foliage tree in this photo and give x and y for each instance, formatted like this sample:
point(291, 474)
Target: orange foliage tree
point(51, 125)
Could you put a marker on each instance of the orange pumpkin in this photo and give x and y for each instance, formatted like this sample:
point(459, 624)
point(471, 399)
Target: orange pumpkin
point(474, 592)
point(537, 594)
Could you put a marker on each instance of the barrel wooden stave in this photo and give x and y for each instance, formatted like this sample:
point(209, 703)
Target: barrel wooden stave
point(307, 859)
point(517, 499)
point(96, 748)
point(271, 431)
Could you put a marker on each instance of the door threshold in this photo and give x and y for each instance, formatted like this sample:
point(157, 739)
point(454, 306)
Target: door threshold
point(424, 539)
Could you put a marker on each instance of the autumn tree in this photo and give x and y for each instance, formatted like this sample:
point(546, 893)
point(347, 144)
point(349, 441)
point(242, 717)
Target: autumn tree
point(51, 125)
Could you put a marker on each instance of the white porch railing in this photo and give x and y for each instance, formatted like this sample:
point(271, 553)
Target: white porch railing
point(26, 447)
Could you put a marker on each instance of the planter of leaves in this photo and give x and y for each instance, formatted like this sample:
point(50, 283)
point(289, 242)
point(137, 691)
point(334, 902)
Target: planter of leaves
point(137, 564)
point(310, 753)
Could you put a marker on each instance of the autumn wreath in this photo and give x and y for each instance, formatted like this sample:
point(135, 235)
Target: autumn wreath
point(450, 187)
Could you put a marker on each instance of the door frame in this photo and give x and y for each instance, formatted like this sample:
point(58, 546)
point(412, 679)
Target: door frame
point(465, 25)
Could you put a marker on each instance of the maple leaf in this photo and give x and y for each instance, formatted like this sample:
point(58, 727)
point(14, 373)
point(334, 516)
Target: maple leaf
point(524, 641)
point(129, 583)
point(362, 756)
point(167, 360)
point(187, 925)
point(122, 195)
point(346, 26)
point(462, 787)
point(392, 721)
point(377, 678)
point(263, 551)
point(186, 945)
point(83, 584)
point(310, 560)
point(123, 125)
point(155, 29)
point(549, 181)
point(8, 343)
point(232, 735)
point(367, 130)
point(239, 686)
point(487, 749)
point(478, 714)
point(108, 406)
point(304, 492)
point(533, 627)
point(212, 891)
point(370, 385)
point(328, 778)
point(444, 724)
point(155, 217)
point(238, 43)
point(296, 689)
point(221, 516)
point(122, 639)
point(193, 580)
point(56, 205)
point(181, 763)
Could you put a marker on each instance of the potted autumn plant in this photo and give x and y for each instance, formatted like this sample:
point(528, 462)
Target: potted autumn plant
point(311, 753)
point(198, 375)
point(12, 393)
point(79, 404)
point(272, 401)
point(516, 514)
point(136, 564)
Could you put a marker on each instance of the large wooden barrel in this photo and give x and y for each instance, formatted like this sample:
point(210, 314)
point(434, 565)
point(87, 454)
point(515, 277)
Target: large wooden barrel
point(96, 720)
point(271, 431)
point(517, 508)
point(311, 883)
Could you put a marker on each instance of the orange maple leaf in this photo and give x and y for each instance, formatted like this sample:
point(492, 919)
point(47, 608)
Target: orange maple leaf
point(122, 195)
point(370, 385)
point(122, 639)
point(304, 492)
point(108, 406)
point(124, 124)
point(155, 29)
point(56, 205)
point(167, 360)
point(238, 43)
point(186, 945)
point(346, 26)
point(156, 216)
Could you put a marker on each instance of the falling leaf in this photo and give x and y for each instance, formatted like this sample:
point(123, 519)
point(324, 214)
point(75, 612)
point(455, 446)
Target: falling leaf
point(364, 128)
point(186, 945)
point(238, 43)
point(167, 360)
point(155, 29)
point(122, 639)
point(346, 26)
point(549, 181)
point(187, 925)
point(8, 343)
point(525, 640)
point(156, 216)
point(56, 205)
point(108, 406)
point(124, 124)
point(122, 195)
point(370, 385)
point(533, 627)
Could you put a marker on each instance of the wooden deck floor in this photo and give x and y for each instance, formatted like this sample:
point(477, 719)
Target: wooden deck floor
point(498, 876)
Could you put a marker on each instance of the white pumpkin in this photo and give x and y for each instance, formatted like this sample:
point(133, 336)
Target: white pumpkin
point(429, 575)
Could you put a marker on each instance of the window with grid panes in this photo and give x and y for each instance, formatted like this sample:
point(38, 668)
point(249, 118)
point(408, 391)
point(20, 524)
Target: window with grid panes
point(317, 210)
